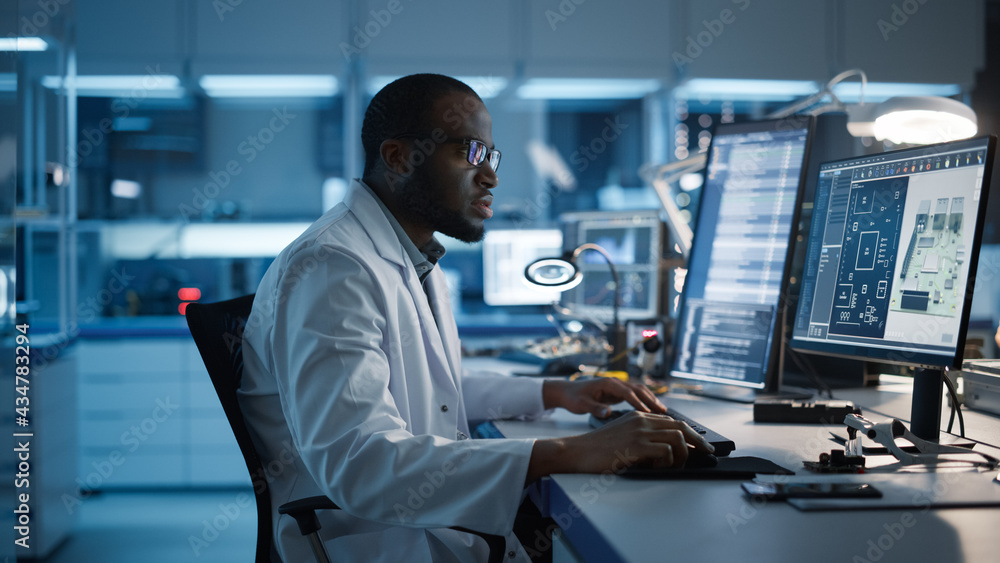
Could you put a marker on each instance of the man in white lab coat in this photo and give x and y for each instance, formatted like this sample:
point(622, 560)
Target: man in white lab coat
point(352, 385)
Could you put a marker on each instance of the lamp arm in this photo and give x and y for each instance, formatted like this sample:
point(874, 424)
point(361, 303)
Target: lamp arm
point(827, 89)
point(614, 275)
point(840, 78)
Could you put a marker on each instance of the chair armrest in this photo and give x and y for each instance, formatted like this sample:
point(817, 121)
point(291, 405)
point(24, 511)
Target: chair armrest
point(304, 512)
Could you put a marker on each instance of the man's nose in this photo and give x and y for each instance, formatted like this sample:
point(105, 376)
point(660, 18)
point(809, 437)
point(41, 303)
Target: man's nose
point(487, 177)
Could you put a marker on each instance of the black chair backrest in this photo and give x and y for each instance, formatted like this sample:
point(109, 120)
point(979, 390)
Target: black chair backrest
point(217, 329)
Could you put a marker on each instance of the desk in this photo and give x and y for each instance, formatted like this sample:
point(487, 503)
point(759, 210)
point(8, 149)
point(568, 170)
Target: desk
point(612, 518)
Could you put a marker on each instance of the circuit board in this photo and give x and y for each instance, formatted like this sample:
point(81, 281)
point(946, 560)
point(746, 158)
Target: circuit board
point(928, 280)
point(872, 235)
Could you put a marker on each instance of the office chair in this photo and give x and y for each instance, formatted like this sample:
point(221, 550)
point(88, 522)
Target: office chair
point(217, 329)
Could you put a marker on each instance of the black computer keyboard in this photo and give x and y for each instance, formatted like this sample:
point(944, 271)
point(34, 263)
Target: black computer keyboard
point(723, 446)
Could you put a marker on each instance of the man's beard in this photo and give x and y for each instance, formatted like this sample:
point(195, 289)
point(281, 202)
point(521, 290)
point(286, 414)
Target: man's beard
point(422, 200)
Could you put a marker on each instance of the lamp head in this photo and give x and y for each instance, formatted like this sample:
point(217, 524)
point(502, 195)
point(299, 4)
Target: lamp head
point(919, 120)
point(560, 274)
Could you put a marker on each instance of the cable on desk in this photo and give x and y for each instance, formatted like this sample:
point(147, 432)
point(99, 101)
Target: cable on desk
point(808, 370)
point(954, 406)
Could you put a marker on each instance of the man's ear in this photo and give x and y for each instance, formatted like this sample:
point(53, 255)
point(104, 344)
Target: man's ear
point(394, 153)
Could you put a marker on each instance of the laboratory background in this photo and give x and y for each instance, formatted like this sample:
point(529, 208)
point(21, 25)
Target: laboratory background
point(154, 154)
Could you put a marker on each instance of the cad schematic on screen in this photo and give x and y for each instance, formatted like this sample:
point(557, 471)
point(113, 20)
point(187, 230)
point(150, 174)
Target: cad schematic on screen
point(892, 267)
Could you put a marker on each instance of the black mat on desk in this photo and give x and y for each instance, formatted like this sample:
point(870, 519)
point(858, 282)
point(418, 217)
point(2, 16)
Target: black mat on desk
point(728, 468)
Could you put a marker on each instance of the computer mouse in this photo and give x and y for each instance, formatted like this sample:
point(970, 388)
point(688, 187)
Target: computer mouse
point(560, 366)
point(700, 459)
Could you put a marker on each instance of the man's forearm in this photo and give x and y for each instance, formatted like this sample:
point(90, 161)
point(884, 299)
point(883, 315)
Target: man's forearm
point(550, 394)
point(548, 457)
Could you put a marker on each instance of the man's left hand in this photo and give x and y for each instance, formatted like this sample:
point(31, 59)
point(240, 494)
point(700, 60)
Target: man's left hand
point(594, 395)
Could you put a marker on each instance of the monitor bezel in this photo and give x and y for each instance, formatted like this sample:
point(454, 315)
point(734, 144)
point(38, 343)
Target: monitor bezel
point(573, 223)
point(772, 377)
point(905, 357)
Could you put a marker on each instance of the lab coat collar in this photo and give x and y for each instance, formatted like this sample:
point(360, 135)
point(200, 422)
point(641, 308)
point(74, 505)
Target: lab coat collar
point(362, 203)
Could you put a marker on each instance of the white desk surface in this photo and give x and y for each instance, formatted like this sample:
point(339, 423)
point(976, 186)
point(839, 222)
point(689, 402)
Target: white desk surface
point(612, 518)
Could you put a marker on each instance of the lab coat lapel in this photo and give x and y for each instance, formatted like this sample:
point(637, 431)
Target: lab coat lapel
point(437, 291)
point(433, 339)
point(364, 206)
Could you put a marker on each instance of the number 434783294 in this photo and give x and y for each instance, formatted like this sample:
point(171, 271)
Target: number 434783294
point(22, 370)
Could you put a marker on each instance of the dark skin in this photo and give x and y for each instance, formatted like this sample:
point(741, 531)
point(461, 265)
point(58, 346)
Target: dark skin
point(459, 191)
point(459, 188)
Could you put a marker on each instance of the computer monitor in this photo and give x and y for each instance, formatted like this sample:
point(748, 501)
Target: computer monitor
point(505, 254)
point(891, 262)
point(729, 326)
point(635, 241)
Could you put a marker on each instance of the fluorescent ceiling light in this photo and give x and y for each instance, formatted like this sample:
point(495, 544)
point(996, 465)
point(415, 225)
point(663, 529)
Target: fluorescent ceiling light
point(132, 123)
point(23, 44)
point(881, 91)
point(735, 89)
point(485, 87)
point(244, 240)
point(269, 85)
point(8, 82)
point(586, 88)
point(126, 189)
point(137, 86)
point(918, 120)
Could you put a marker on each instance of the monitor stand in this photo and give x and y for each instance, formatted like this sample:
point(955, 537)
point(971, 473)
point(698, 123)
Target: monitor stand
point(746, 395)
point(925, 408)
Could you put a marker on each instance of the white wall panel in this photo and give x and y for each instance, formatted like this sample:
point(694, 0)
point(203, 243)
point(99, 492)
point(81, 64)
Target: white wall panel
point(777, 39)
point(592, 38)
point(269, 36)
point(124, 37)
point(454, 36)
point(915, 40)
point(894, 40)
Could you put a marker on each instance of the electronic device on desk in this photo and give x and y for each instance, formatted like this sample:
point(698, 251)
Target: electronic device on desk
point(614, 255)
point(830, 412)
point(729, 328)
point(561, 355)
point(723, 446)
point(636, 242)
point(647, 338)
point(982, 385)
point(505, 254)
point(891, 262)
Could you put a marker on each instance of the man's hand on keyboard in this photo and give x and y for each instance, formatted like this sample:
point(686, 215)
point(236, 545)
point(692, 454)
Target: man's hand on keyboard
point(635, 439)
point(595, 395)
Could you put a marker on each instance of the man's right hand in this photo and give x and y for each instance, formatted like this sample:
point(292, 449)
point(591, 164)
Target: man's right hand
point(636, 439)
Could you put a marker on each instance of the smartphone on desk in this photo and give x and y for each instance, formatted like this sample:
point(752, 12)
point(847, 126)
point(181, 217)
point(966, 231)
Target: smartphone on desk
point(782, 491)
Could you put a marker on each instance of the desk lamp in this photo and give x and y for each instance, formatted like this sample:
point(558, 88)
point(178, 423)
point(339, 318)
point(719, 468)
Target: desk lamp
point(915, 120)
point(562, 274)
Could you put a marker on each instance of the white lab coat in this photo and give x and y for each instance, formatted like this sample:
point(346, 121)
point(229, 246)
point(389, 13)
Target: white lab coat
point(352, 390)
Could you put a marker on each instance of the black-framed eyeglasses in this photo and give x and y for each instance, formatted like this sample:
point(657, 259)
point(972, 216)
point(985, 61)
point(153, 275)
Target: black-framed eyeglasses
point(477, 154)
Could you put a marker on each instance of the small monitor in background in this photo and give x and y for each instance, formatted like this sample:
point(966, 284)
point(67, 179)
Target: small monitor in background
point(506, 252)
point(891, 262)
point(729, 327)
point(635, 241)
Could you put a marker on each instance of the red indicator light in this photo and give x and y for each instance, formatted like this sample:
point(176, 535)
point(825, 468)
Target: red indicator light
point(646, 333)
point(182, 307)
point(189, 294)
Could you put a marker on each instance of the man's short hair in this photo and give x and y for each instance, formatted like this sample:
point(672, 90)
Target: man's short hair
point(404, 106)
